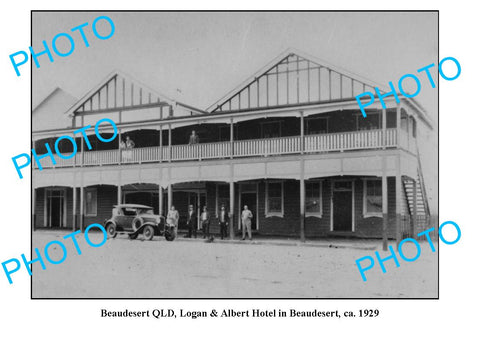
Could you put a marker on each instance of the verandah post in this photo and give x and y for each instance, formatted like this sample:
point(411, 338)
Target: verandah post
point(232, 209)
point(302, 133)
point(231, 138)
point(74, 209)
point(119, 146)
point(398, 198)
point(170, 196)
point(81, 208)
point(384, 204)
point(160, 200)
point(302, 201)
point(384, 128)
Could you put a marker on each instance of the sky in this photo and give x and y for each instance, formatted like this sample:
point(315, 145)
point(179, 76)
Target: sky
point(198, 57)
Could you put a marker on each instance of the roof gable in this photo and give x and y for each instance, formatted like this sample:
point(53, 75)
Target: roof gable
point(293, 78)
point(118, 92)
point(49, 113)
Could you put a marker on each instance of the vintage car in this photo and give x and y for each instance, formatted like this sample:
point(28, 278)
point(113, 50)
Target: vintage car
point(135, 219)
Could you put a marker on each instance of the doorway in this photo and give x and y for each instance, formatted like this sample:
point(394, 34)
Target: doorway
point(248, 196)
point(55, 208)
point(342, 206)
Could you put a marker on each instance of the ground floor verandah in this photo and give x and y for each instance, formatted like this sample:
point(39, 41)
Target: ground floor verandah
point(347, 206)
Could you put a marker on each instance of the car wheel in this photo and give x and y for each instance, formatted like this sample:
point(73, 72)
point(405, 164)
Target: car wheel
point(111, 230)
point(132, 236)
point(148, 232)
point(137, 223)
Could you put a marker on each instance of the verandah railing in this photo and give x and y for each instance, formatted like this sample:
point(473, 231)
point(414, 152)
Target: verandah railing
point(332, 142)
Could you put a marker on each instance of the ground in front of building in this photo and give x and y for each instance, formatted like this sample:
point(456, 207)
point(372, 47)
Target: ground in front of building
point(124, 268)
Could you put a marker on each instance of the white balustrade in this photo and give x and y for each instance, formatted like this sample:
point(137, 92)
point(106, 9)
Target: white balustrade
point(103, 157)
point(368, 139)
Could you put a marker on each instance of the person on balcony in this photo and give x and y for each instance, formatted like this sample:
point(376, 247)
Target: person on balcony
point(191, 222)
point(247, 223)
point(223, 217)
point(193, 138)
point(127, 147)
point(205, 220)
point(129, 143)
point(173, 217)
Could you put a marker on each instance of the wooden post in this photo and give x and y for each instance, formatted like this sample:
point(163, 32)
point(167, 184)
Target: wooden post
point(119, 193)
point(231, 138)
point(398, 199)
point(199, 211)
point(160, 200)
point(302, 133)
point(169, 145)
point(74, 209)
point(119, 146)
point(81, 208)
point(82, 142)
point(160, 143)
point(170, 196)
point(414, 222)
point(232, 207)
point(384, 204)
point(384, 128)
point(302, 200)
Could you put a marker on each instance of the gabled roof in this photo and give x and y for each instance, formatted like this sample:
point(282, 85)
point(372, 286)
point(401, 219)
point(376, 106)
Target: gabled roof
point(118, 92)
point(294, 63)
point(57, 94)
point(49, 113)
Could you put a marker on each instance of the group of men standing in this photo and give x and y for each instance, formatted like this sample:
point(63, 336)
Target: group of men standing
point(223, 221)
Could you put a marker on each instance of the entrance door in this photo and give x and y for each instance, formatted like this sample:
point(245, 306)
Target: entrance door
point(55, 208)
point(249, 199)
point(342, 206)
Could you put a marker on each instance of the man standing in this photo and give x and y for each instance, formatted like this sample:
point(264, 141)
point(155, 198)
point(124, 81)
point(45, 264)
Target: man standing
point(223, 221)
point(205, 220)
point(192, 222)
point(193, 138)
point(130, 144)
point(247, 222)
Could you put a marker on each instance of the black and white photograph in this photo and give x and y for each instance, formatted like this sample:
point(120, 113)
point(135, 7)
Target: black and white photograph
point(240, 170)
point(226, 154)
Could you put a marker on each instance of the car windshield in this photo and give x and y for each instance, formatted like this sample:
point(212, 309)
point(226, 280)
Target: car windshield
point(145, 211)
point(129, 211)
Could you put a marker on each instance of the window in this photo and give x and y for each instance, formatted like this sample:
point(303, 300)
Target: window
point(129, 211)
point(271, 129)
point(223, 197)
point(372, 197)
point(317, 125)
point(371, 122)
point(91, 202)
point(274, 199)
point(313, 198)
